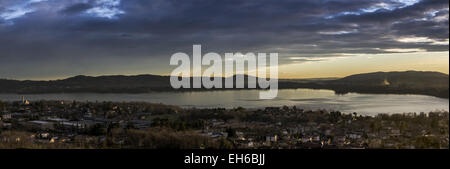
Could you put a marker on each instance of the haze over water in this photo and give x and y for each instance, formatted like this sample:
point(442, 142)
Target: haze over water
point(366, 104)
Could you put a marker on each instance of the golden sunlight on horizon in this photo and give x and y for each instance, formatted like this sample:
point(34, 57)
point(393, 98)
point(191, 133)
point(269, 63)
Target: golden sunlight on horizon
point(366, 63)
point(328, 68)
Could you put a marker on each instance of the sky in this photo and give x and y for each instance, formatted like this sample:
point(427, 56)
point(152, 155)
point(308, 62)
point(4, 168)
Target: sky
point(52, 39)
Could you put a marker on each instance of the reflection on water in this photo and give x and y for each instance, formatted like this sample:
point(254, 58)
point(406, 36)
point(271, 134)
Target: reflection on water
point(368, 104)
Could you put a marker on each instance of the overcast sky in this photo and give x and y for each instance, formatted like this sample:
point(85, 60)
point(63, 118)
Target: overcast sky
point(49, 39)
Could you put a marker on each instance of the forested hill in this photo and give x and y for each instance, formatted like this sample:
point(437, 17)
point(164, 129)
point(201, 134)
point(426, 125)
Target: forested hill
point(410, 79)
point(409, 82)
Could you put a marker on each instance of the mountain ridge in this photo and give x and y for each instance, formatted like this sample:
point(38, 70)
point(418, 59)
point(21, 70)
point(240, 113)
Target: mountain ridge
point(406, 82)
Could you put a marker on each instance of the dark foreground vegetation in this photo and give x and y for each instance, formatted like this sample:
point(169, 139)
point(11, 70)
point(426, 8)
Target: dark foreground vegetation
point(86, 125)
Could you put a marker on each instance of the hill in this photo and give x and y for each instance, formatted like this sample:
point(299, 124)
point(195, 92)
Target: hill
point(409, 82)
point(100, 84)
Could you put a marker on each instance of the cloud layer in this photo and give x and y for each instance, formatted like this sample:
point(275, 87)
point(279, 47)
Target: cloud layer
point(85, 36)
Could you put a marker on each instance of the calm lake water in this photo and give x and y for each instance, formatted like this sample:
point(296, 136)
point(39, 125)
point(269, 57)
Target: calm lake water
point(368, 104)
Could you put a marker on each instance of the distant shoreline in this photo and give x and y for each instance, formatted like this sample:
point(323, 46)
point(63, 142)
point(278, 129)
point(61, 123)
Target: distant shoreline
point(310, 99)
point(409, 82)
point(338, 92)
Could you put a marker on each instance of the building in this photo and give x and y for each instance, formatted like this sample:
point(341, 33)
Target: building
point(58, 120)
point(44, 125)
point(6, 117)
point(78, 124)
point(272, 138)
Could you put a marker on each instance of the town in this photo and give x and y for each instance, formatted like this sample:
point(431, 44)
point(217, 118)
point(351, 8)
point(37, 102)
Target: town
point(136, 125)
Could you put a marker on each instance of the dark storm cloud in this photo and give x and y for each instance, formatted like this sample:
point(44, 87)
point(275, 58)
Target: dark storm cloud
point(388, 16)
point(435, 30)
point(81, 35)
point(76, 8)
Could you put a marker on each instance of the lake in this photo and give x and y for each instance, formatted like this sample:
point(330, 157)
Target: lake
point(367, 104)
